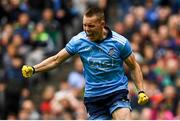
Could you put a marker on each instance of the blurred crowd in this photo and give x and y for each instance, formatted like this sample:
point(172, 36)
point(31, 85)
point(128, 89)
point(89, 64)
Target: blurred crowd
point(32, 30)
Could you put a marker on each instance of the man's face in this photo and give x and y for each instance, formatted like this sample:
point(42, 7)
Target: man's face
point(93, 27)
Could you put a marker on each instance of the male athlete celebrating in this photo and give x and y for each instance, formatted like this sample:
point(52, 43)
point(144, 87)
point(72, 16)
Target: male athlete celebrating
point(102, 52)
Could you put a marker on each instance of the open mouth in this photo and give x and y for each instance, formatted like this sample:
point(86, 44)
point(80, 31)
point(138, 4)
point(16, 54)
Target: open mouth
point(89, 33)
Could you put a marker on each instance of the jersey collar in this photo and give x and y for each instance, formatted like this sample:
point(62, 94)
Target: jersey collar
point(109, 35)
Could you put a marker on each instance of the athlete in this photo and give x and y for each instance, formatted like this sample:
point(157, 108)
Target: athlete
point(102, 52)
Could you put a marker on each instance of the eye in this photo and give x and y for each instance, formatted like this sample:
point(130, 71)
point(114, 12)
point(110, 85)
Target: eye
point(88, 25)
point(91, 26)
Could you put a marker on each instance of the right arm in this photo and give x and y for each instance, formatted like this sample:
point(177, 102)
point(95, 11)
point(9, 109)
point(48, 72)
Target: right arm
point(52, 61)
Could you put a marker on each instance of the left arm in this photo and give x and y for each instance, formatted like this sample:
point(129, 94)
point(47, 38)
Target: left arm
point(136, 72)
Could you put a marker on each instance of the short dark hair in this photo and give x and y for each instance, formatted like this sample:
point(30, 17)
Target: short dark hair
point(95, 11)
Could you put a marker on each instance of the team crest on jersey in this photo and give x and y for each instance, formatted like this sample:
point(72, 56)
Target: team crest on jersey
point(111, 52)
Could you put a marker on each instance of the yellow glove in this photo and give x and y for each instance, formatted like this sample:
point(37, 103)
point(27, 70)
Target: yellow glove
point(27, 71)
point(142, 98)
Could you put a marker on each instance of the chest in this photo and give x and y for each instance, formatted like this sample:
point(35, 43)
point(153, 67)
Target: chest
point(102, 56)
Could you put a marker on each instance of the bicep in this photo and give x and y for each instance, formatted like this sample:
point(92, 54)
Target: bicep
point(62, 56)
point(131, 61)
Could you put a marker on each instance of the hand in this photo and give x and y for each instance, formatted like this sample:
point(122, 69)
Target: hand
point(27, 71)
point(142, 98)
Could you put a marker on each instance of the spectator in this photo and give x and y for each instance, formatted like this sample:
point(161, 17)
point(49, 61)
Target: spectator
point(22, 27)
point(52, 27)
point(2, 100)
point(29, 108)
point(14, 85)
point(76, 79)
point(45, 106)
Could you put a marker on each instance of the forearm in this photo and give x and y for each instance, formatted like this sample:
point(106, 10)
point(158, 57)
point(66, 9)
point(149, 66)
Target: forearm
point(46, 65)
point(137, 77)
point(52, 61)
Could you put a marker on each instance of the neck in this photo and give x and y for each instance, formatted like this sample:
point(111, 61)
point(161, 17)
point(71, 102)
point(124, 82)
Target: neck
point(105, 33)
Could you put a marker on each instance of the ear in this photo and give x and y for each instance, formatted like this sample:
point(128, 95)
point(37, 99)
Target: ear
point(103, 23)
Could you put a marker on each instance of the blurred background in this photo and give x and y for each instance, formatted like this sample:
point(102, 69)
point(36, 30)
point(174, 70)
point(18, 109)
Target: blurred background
point(32, 30)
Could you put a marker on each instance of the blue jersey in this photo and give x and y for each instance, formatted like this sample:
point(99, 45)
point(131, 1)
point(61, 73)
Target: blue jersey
point(102, 62)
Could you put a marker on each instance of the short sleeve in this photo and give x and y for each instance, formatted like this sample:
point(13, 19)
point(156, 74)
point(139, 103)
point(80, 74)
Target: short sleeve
point(71, 46)
point(126, 50)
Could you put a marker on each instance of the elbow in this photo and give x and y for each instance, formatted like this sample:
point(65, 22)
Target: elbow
point(55, 60)
point(134, 66)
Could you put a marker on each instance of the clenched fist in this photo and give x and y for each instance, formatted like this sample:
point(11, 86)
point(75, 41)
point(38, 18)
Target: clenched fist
point(27, 71)
point(142, 98)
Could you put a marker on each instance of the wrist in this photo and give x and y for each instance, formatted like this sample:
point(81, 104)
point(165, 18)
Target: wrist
point(141, 91)
point(34, 71)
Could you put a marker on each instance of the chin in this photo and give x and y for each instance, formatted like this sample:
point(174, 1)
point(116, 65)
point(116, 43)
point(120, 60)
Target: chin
point(92, 39)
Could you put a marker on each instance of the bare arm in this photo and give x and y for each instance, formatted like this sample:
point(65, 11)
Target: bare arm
point(136, 72)
point(52, 61)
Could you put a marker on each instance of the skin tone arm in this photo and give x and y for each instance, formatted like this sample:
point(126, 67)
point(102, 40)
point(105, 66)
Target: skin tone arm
point(136, 72)
point(124, 113)
point(52, 61)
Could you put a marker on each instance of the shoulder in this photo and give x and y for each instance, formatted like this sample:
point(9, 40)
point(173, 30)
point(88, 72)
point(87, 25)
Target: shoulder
point(81, 35)
point(77, 38)
point(119, 38)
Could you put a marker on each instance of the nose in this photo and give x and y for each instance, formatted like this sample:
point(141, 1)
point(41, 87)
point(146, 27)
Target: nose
point(87, 29)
